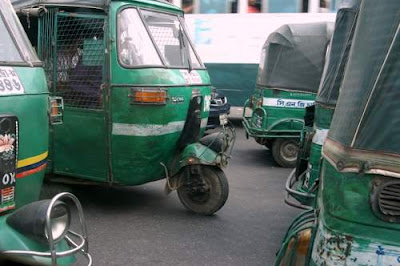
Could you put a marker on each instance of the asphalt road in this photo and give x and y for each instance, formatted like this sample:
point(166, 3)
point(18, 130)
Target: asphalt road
point(143, 226)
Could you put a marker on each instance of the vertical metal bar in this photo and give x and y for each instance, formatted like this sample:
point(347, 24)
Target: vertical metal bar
point(55, 53)
point(151, 37)
point(40, 37)
point(107, 96)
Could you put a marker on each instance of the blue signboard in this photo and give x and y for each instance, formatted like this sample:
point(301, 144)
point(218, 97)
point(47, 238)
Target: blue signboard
point(283, 6)
point(213, 6)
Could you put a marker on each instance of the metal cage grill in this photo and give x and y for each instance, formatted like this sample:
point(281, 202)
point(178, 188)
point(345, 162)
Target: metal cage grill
point(385, 199)
point(389, 199)
point(74, 57)
point(164, 36)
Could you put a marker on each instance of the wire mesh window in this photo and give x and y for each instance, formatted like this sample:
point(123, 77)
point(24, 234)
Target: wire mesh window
point(170, 39)
point(80, 60)
point(168, 35)
point(163, 36)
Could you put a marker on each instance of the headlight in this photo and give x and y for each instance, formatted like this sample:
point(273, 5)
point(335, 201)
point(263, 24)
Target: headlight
point(60, 219)
point(30, 220)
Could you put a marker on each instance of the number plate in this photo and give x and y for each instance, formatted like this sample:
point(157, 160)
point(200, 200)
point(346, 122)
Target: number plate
point(9, 82)
point(223, 119)
point(8, 161)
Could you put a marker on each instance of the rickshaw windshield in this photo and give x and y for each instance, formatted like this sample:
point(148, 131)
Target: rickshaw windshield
point(14, 44)
point(136, 47)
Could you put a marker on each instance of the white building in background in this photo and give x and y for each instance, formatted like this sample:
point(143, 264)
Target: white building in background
point(256, 6)
point(229, 39)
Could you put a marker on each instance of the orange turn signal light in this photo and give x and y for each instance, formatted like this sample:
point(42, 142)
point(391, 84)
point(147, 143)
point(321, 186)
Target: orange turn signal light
point(149, 96)
point(56, 110)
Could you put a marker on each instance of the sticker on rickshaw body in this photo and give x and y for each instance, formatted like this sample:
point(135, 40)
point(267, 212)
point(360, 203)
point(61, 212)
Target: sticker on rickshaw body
point(10, 84)
point(292, 103)
point(192, 77)
point(8, 161)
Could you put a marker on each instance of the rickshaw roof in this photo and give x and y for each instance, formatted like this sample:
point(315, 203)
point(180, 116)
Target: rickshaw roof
point(346, 20)
point(293, 56)
point(98, 4)
point(366, 121)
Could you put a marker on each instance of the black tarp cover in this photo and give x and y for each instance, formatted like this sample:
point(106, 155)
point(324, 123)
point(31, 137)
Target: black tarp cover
point(365, 128)
point(336, 62)
point(293, 56)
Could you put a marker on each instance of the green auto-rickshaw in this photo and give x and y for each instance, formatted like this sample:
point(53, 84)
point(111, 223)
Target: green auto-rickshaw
point(31, 231)
point(302, 183)
point(357, 215)
point(136, 97)
point(289, 74)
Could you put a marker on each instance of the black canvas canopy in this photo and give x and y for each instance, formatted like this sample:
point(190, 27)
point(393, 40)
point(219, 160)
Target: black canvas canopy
point(293, 56)
point(346, 20)
point(365, 131)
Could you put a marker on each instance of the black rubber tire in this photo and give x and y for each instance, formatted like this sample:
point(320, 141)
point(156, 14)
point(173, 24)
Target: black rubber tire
point(278, 152)
point(269, 143)
point(218, 195)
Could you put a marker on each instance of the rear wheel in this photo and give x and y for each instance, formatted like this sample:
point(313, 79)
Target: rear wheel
point(205, 189)
point(285, 152)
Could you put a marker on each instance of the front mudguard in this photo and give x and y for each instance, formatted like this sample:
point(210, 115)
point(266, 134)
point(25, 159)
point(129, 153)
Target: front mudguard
point(213, 149)
point(197, 153)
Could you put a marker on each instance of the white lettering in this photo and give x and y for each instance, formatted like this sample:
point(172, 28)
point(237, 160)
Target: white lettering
point(8, 179)
point(12, 177)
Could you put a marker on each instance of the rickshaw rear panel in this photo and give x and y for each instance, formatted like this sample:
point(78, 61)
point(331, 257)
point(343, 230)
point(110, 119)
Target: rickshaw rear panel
point(287, 83)
point(31, 109)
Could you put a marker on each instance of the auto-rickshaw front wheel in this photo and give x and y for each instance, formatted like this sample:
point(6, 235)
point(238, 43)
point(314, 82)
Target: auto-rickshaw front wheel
point(285, 152)
point(204, 190)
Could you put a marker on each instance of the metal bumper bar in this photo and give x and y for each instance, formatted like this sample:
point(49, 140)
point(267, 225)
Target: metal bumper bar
point(291, 194)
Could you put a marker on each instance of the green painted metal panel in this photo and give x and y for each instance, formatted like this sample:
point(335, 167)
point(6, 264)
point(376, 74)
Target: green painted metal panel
point(75, 45)
point(147, 134)
point(237, 81)
point(277, 120)
point(314, 165)
point(347, 222)
point(345, 203)
point(335, 247)
point(79, 145)
point(17, 241)
point(31, 110)
point(143, 136)
point(323, 116)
